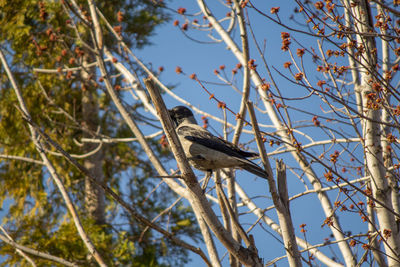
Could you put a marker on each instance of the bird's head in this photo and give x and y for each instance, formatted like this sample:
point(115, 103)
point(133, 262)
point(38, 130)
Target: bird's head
point(181, 114)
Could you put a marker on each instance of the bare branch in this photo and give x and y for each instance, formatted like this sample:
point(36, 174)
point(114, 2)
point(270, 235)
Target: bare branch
point(28, 259)
point(279, 197)
point(37, 253)
point(71, 208)
point(197, 199)
point(22, 159)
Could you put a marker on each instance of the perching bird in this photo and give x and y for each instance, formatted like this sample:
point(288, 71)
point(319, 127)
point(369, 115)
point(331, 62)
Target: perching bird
point(207, 152)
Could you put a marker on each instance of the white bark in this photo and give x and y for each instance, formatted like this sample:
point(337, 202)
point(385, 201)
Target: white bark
point(56, 178)
point(279, 195)
point(387, 157)
point(208, 240)
point(281, 131)
point(372, 132)
point(274, 226)
point(196, 196)
point(36, 253)
point(19, 251)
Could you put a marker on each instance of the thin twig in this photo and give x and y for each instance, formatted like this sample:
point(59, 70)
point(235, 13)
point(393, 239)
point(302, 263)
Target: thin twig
point(19, 251)
point(56, 178)
point(12, 157)
point(37, 253)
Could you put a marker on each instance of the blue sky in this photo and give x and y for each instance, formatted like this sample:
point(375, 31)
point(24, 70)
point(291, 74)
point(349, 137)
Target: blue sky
point(171, 49)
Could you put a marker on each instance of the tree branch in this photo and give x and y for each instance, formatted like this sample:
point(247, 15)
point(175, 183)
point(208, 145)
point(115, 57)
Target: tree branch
point(71, 208)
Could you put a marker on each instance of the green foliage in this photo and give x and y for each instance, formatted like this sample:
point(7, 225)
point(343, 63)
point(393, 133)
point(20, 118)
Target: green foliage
point(40, 34)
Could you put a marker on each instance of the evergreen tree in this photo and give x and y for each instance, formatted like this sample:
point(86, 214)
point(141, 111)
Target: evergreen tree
point(48, 46)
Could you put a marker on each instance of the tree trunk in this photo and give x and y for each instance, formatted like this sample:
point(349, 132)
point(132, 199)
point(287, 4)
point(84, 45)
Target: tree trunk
point(94, 195)
point(372, 132)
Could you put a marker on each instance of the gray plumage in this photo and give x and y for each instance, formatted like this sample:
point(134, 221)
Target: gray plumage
point(207, 152)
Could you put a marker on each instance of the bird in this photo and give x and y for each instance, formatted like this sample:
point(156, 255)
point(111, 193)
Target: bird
point(207, 152)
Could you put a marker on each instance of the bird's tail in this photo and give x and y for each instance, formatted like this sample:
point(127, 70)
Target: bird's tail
point(255, 169)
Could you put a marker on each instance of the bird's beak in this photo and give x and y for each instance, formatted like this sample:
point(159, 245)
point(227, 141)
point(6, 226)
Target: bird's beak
point(172, 116)
point(171, 113)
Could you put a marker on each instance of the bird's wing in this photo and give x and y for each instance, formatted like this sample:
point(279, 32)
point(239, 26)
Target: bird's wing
point(196, 134)
point(203, 137)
